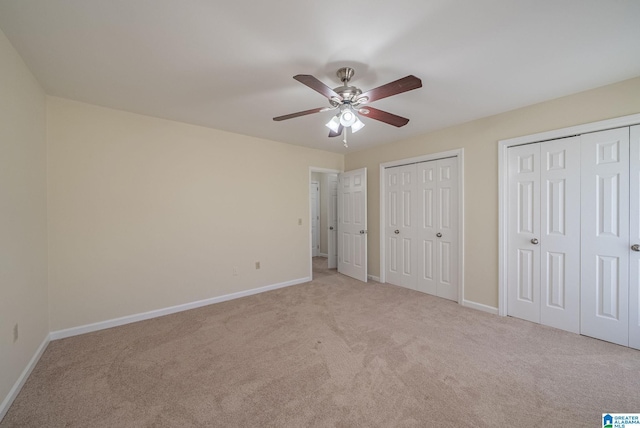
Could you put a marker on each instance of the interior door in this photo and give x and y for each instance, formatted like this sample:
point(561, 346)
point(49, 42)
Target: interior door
point(332, 242)
point(523, 251)
point(604, 312)
point(352, 224)
point(560, 234)
point(314, 192)
point(634, 230)
point(446, 237)
point(399, 231)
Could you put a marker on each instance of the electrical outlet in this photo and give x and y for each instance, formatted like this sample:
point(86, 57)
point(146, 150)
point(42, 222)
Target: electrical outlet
point(15, 333)
point(257, 265)
point(235, 271)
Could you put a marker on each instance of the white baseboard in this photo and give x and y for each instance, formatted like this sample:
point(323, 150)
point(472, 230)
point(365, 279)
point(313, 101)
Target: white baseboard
point(88, 328)
point(374, 278)
point(324, 255)
point(15, 390)
point(480, 307)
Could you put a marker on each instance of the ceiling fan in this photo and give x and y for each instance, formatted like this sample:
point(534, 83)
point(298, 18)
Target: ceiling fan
point(350, 100)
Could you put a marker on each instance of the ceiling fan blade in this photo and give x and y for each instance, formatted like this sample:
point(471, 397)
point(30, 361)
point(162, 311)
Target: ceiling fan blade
point(300, 113)
point(335, 134)
point(316, 85)
point(397, 87)
point(383, 116)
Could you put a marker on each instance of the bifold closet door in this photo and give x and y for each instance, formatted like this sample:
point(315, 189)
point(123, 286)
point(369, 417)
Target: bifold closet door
point(399, 231)
point(437, 227)
point(634, 233)
point(544, 236)
point(523, 274)
point(604, 310)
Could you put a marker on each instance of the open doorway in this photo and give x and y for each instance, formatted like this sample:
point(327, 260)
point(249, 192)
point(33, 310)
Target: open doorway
point(323, 213)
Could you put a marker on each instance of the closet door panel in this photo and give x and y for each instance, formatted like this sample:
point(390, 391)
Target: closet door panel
point(427, 189)
point(560, 234)
point(523, 251)
point(634, 232)
point(447, 228)
point(604, 312)
point(401, 221)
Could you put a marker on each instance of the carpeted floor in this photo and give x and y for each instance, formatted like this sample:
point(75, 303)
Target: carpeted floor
point(330, 353)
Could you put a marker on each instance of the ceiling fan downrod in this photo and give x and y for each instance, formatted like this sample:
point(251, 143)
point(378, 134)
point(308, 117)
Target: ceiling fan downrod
point(345, 74)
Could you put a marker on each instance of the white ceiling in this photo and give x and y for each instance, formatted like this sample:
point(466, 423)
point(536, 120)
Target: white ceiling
point(229, 64)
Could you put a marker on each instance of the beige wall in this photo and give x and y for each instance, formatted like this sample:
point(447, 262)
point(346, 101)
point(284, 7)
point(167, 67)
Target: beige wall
point(479, 140)
point(146, 213)
point(23, 210)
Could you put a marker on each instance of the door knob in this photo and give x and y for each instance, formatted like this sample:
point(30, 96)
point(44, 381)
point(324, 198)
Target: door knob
point(330, 227)
point(534, 241)
point(396, 231)
point(362, 232)
point(635, 247)
point(439, 235)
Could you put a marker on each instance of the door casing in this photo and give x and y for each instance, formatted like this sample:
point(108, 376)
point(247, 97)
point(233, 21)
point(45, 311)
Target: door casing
point(503, 184)
point(313, 169)
point(459, 154)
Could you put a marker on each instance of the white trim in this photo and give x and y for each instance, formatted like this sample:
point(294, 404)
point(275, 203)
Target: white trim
point(311, 170)
point(325, 255)
point(503, 183)
point(315, 251)
point(88, 328)
point(458, 153)
point(15, 390)
point(480, 307)
point(374, 278)
point(618, 122)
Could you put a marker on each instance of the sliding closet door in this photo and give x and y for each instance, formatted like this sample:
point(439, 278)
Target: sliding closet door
point(401, 222)
point(523, 276)
point(634, 230)
point(604, 310)
point(560, 234)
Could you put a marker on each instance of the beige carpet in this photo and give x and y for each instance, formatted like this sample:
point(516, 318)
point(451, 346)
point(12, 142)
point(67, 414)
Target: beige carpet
point(330, 353)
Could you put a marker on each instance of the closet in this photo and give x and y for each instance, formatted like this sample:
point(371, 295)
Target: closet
point(421, 226)
point(573, 234)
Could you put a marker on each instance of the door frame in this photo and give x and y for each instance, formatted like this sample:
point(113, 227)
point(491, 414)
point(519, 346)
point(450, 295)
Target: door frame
point(315, 251)
point(323, 171)
point(503, 184)
point(457, 153)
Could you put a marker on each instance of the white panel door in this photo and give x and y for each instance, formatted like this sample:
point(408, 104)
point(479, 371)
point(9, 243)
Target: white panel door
point(352, 224)
point(314, 192)
point(523, 251)
point(604, 312)
point(399, 232)
point(446, 237)
point(427, 214)
point(332, 242)
point(560, 234)
point(634, 231)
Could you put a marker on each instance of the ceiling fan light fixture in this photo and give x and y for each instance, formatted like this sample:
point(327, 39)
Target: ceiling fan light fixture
point(334, 123)
point(347, 117)
point(357, 125)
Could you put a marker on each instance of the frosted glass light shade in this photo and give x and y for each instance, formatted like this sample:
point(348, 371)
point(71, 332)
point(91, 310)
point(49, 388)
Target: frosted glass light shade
point(334, 124)
point(347, 117)
point(357, 125)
